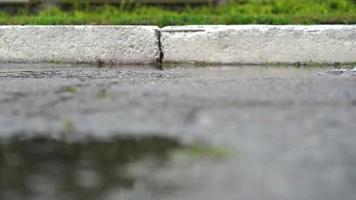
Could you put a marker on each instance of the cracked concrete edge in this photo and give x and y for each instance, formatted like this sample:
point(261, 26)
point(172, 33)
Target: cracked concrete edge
point(208, 44)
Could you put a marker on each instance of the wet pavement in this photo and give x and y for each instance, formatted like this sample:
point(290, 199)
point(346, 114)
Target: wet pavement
point(227, 133)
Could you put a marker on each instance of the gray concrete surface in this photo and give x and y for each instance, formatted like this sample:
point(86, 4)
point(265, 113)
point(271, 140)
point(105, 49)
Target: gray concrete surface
point(259, 44)
point(246, 44)
point(79, 44)
point(292, 130)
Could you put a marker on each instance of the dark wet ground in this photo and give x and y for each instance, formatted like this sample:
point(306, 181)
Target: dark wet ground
point(181, 133)
point(43, 168)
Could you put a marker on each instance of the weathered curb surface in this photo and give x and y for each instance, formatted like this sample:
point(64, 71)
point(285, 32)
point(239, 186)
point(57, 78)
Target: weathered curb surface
point(246, 44)
point(259, 44)
point(79, 44)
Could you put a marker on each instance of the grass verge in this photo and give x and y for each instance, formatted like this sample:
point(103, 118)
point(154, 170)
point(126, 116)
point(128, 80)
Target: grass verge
point(234, 12)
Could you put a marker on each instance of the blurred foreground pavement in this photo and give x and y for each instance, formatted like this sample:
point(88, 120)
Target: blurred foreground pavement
point(292, 131)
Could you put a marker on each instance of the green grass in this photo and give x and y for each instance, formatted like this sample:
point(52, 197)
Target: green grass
point(235, 12)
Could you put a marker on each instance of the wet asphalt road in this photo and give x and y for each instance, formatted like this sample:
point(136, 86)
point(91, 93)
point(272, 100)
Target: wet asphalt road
point(293, 130)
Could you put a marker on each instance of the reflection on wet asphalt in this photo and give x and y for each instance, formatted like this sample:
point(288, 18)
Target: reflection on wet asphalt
point(42, 168)
point(202, 133)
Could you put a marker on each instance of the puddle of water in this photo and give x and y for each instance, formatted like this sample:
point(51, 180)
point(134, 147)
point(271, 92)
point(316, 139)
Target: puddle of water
point(86, 72)
point(253, 71)
point(42, 168)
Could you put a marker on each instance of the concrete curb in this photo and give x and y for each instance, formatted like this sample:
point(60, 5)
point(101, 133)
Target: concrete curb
point(79, 44)
point(235, 44)
point(259, 44)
